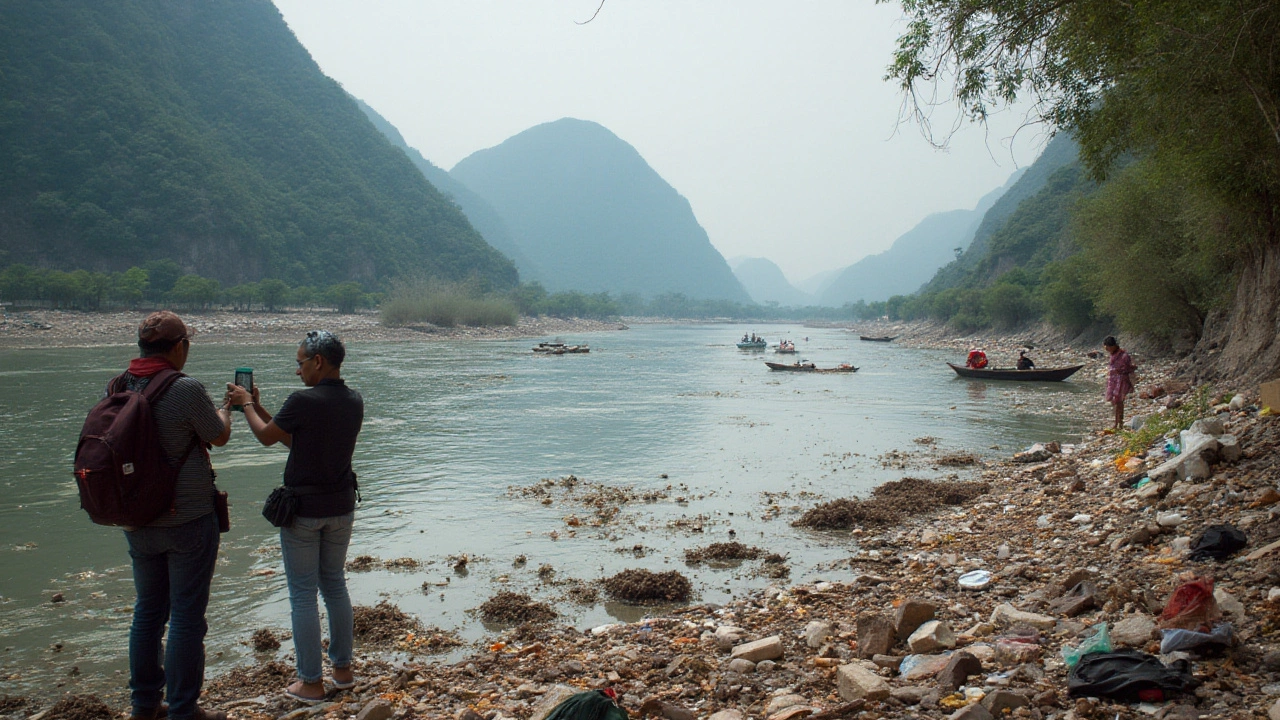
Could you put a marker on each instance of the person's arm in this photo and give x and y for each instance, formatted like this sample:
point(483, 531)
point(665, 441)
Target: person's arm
point(259, 420)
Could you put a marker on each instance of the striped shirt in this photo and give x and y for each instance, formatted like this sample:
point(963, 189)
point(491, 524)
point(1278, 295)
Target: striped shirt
point(183, 414)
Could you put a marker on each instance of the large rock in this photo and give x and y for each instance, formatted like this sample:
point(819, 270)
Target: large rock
point(1208, 426)
point(1229, 449)
point(555, 695)
point(920, 667)
point(1195, 446)
point(1006, 614)
point(1133, 631)
point(769, 648)
point(1076, 600)
point(932, 636)
point(727, 636)
point(738, 665)
point(855, 682)
point(909, 695)
point(971, 712)
point(376, 710)
point(1274, 712)
point(913, 613)
point(1000, 700)
point(959, 669)
point(876, 635)
point(816, 633)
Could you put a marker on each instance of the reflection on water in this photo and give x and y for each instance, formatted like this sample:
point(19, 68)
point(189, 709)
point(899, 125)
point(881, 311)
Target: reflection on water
point(674, 411)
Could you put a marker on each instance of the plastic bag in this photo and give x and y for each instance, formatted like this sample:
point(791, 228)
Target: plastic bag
point(1098, 642)
point(1217, 640)
point(1129, 676)
point(1218, 542)
point(1191, 606)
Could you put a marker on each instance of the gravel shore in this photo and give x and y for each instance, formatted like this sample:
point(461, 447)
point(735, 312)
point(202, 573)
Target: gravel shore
point(66, 328)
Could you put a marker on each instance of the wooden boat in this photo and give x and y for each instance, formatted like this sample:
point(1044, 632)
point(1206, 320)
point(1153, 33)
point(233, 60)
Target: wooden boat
point(757, 345)
point(559, 348)
point(810, 367)
point(1034, 374)
point(885, 338)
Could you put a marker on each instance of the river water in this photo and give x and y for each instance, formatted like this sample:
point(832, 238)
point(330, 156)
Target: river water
point(451, 427)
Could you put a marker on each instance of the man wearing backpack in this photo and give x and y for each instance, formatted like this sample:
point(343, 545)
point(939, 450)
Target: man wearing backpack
point(174, 555)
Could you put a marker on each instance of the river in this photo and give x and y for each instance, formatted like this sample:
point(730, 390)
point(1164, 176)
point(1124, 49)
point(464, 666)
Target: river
point(675, 410)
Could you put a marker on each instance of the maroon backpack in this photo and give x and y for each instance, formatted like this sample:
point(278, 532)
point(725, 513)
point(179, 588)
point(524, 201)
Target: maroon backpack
point(124, 476)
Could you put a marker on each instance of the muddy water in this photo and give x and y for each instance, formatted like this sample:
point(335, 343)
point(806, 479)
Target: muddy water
point(451, 427)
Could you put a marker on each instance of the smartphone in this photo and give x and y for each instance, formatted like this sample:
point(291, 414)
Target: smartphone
point(244, 378)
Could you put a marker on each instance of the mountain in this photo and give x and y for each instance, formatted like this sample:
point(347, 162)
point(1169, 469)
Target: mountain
point(481, 214)
point(203, 132)
point(592, 216)
point(914, 257)
point(765, 283)
point(817, 284)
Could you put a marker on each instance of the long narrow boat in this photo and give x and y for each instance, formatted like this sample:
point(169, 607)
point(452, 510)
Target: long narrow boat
point(757, 345)
point(809, 367)
point(885, 338)
point(1035, 375)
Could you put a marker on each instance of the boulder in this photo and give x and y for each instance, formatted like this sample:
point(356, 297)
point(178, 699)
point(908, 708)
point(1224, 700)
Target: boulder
point(1208, 426)
point(1133, 631)
point(1006, 614)
point(769, 648)
point(932, 636)
point(1229, 448)
point(913, 613)
point(920, 667)
point(876, 635)
point(375, 710)
point(960, 668)
point(855, 682)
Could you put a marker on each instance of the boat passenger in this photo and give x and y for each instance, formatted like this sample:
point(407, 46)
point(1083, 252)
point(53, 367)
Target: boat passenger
point(977, 359)
point(1024, 362)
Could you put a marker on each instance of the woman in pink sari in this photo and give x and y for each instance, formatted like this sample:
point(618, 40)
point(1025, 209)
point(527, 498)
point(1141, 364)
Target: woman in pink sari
point(1120, 369)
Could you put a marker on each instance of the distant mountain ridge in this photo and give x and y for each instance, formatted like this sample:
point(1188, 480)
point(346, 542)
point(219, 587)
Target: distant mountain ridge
point(766, 283)
point(591, 215)
point(914, 257)
point(137, 130)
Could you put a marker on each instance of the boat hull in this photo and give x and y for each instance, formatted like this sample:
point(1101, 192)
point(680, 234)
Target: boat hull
point(784, 367)
point(753, 346)
point(864, 338)
point(1033, 375)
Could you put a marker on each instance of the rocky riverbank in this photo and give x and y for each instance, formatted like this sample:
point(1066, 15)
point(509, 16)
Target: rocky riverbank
point(66, 328)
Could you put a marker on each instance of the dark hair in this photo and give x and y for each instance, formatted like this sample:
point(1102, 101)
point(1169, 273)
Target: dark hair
point(326, 345)
point(158, 347)
point(1110, 341)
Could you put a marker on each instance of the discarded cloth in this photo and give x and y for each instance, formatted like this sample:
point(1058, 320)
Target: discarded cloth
point(1216, 640)
point(1129, 676)
point(1218, 542)
point(1191, 606)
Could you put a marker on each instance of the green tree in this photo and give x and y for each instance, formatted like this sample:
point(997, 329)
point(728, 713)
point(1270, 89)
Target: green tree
point(194, 292)
point(130, 286)
point(528, 297)
point(272, 292)
point(162, 275)
point(346, 297)
point(242, 296)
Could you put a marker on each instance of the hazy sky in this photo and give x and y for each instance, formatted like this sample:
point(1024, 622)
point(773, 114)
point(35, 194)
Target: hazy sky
point(771, 117)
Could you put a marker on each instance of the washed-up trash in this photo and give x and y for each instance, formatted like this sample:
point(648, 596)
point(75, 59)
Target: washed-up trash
point(589, 705)
point(976, 580)
point(1098, 642)
point(1214, 641)
point(1191, 606)
point(1218, 542)
point(1142, 483)
point(1129, 676)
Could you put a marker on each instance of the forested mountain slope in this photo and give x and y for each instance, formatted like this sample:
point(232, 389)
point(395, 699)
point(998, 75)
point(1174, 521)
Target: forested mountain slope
point(204, 132)
point(592, 216)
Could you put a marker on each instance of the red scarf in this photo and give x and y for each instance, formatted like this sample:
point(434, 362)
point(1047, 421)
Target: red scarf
point(148, 366)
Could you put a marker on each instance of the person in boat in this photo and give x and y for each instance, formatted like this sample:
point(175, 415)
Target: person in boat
point(1120, 369)
point(977, 359)
point(1024, 362)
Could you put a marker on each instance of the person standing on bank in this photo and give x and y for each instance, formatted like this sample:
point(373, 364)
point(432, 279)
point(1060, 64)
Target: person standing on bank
point(319, 425)
point(1120, 369)
point(174, 556)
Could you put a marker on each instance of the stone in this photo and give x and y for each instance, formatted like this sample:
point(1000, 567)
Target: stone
point(1017, 652)
point(664, 709)
point(816, 633)
point(468, 714)
point(1208, 426)
point(1263, 551)
point(1237, 403)
point(738, 665)
point(932, 636)
point(980, 630)
point(960, 668)
point(1194, 446)
point(1195, 468)
point(1000, 700)
point(892, 662)
point(1036, 453)
point(855, 682)
point(1229, 449)
point(1006, 614)
point(782, 702)
point(921, 667)
point(766, 666)
point(971, 712)
point(909, 695)
point(984, 652)
point(555, 695)
point(913, 613)
point(727, 715)
point(375, 710)
point(1078, 599)
point(1273, 713)
point(876, 635)
point(1232, 607)
point(1133, 631)
point(769, 648)
point(727, 636)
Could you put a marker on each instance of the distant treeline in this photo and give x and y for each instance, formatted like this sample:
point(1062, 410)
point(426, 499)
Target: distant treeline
point(164, 282)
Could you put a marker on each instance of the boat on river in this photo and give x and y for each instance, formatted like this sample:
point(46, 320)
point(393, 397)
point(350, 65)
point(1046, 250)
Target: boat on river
point(559, 348)
point(1034, 374)
point(883, 338)
point(809, 367)
point(786, 347)
point(753, 345)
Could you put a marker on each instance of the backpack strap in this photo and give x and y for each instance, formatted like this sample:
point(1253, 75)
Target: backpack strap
point(157, 386)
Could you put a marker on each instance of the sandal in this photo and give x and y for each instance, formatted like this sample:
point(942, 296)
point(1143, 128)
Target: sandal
point(343, 685)
point(296, 695)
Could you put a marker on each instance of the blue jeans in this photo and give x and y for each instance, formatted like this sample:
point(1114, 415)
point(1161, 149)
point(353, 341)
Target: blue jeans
point(172, 571)
point(315, 556)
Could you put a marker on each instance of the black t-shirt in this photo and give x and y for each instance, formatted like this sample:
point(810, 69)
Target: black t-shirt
point(324, 421)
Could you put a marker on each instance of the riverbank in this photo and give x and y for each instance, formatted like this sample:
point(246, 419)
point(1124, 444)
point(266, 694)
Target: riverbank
point(68, 328)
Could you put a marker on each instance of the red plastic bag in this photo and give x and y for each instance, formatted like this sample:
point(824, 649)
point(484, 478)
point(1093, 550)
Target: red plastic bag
point(1191, 606)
